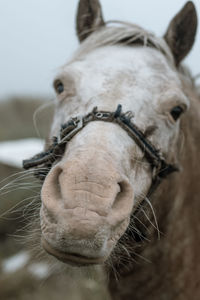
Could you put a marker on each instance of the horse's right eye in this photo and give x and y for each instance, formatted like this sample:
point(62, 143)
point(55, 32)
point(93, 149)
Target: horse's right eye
point(59, 87)
point(176, 112)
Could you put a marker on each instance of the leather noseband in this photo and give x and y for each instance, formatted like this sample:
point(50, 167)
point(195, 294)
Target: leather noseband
point(45, 160)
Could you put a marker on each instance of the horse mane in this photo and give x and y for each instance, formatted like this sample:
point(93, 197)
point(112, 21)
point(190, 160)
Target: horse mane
point(125, 33)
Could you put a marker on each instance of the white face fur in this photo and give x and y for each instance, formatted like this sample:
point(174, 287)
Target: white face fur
point(142, 81)
point(138, 78)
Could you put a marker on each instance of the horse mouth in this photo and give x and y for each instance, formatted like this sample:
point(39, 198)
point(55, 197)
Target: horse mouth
point(71, 258)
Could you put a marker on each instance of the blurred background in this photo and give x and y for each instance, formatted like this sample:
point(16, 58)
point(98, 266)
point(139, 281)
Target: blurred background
point(37, 37)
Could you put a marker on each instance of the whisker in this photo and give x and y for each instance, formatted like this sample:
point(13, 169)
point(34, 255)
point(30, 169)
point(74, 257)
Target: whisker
point(154, 215)
point(38, 110)
point(144, 197)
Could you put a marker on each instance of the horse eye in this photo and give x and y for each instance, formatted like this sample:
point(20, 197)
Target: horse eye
point(176, 112)
point(59, 87)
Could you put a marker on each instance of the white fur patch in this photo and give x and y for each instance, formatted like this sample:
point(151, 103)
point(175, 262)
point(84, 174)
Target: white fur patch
point(145, 83)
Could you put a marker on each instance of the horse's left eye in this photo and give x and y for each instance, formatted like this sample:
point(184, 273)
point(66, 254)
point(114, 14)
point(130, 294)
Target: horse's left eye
point(176, 112)
point(59, 87)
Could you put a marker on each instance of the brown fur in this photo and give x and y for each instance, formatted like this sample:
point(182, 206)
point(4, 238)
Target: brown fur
point(169, 268)
point(89, 18)
point(181, 32)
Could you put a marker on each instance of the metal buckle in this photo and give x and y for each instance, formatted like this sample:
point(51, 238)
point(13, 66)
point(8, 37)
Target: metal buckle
point(78, 122)
point(101, 115)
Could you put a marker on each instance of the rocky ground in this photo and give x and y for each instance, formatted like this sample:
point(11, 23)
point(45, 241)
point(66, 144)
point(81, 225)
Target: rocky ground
point(25, 273)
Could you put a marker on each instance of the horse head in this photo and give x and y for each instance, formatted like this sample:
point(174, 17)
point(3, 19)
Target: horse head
point(102, 176)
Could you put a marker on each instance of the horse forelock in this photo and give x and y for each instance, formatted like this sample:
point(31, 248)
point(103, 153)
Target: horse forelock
point(123, 33)
point(129, 34)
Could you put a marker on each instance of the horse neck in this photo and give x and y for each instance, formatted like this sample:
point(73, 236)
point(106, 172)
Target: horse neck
point(177, 207)
point(184, 186)
point(176, 202)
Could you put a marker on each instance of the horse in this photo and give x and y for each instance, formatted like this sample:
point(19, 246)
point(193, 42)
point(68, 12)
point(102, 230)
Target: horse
point(120, 167)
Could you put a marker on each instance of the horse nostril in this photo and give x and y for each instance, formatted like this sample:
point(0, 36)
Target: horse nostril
point(48, 215)
point(121, 186)
point(120, 195)
point(51, 190)
point(122, 206)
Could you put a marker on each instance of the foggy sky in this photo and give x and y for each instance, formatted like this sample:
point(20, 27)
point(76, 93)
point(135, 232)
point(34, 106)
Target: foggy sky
point(38, 36)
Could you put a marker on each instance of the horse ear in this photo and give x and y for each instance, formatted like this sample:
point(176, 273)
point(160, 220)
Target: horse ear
point(181, 32)
point(89, 18)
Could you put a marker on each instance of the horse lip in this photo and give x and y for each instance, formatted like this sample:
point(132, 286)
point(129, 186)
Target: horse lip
point(70, 258)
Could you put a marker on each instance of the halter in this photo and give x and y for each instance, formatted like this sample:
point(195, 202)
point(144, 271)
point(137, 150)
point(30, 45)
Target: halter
point(45, 160)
